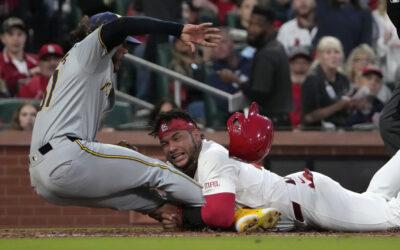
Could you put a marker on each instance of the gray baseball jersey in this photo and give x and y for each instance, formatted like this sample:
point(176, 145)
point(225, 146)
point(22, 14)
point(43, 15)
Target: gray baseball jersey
point(83, 172)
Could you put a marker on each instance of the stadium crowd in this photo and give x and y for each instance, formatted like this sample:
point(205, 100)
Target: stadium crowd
point(310, 64)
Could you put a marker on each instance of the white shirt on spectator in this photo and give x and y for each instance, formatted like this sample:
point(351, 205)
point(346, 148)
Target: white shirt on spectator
point(291, 34)
point(388, 52)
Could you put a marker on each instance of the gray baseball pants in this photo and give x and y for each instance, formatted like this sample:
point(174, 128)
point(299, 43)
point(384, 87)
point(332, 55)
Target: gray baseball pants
point(102, 175)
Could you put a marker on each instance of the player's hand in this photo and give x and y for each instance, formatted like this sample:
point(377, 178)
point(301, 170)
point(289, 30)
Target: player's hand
point(202, 34)
point(164, 209)
point(171, 221)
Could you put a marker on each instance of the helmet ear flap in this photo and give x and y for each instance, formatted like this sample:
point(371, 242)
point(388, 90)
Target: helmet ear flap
point(235, 122)
point(250, 138)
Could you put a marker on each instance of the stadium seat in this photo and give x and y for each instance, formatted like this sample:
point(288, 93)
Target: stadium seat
point(9, 105)
point(121, 114)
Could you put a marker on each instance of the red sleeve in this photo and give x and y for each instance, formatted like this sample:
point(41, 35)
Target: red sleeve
point(219, 210)
point(25, 89)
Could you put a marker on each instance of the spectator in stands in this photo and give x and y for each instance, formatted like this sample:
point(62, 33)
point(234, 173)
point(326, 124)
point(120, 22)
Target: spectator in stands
point(190, 13)
point(49, 57)
point(269, 83)
point(3, 89)
point(169, 10)
point(373, 79)
point(359, 58)
point(228, 68)
point(324, 92)
point(345, 20)
point(191, 65)
point(281, 8)
point(16, 66)
point(207, 7)
point(219, 8)
point(24, 117)
point(367, 108)
point(224, 6)
point(300, 62)
point(165, 105)
point(301, 30)
point(388, 44)
point(245, 9)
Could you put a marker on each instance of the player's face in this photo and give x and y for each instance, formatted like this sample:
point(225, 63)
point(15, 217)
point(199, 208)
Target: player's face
point(181, 147)
point(119, 56)
point(27, 117)
point(14, 40)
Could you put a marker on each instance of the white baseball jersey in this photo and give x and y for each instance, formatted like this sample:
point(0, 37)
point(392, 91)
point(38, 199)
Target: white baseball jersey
point(304, 199)
point(79, 92)
point(253, 187)
point(291, 35)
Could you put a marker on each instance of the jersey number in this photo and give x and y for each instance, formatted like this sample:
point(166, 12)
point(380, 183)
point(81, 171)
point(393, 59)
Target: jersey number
point(47, 96)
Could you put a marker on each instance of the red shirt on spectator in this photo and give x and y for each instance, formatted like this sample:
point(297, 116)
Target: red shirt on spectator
point(10, 74)
point(224, 6)
point(35, 88)
point(295, 114)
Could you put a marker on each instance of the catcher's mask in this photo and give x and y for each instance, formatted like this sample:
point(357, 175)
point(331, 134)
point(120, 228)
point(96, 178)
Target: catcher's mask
point(250, 137)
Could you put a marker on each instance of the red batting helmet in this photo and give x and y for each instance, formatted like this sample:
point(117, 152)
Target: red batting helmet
point(250, 138)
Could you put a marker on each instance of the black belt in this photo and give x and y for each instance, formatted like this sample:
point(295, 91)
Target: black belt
point(47, 147)
point(296, 206)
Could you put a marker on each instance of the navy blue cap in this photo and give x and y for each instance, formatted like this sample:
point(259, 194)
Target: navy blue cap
point(106, 17)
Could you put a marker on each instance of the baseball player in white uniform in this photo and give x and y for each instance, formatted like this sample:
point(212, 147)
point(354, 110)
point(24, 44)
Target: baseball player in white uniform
point(67, 165)
point(305, 199)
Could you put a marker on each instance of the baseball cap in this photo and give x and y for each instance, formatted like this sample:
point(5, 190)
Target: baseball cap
point(50, 49)
point(371, 69)
point(106, 17)
point(299, 51)
point(13, 22)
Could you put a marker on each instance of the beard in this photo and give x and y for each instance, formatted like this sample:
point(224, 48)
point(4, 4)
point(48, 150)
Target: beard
point(256, 42)
point(191, 166)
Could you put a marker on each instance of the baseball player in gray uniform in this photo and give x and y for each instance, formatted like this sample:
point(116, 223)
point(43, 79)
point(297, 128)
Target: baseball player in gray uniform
point(67, 165)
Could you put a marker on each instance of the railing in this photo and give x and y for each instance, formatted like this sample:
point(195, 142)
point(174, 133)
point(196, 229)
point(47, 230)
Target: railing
point(135, 100)
point(235, 101)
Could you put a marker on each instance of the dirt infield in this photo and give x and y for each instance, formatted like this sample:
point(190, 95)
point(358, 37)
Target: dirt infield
point(159, 232)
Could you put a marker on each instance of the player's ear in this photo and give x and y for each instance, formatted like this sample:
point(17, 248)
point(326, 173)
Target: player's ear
point(196, 134)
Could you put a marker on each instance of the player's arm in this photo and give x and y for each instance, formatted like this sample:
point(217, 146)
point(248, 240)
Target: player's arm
point(114, 33)
point(219, 187)
point(218, 211)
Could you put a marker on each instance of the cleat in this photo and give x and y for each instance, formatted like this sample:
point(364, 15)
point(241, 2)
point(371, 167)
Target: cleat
point(251, 220)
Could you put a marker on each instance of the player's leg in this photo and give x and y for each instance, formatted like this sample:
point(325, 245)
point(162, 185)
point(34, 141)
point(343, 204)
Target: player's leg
point(102, 170)
point(326, 204)
point(386, 181)
point(139, 200)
